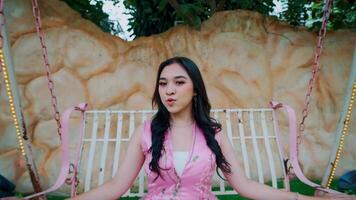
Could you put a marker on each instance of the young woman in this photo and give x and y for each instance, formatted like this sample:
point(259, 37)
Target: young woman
point(181, 147)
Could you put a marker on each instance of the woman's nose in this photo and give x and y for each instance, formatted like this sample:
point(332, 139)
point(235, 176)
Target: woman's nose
point(170, 90)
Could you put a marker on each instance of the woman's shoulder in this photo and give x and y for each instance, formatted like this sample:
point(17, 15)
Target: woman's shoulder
point(146, 126)
point(145, 134)
point(142, 130)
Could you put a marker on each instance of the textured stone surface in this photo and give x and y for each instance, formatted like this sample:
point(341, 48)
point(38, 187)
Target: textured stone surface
point(246, 60)
point(67, 86)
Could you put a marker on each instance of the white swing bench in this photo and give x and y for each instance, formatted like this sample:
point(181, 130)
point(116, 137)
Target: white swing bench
point(254, 134)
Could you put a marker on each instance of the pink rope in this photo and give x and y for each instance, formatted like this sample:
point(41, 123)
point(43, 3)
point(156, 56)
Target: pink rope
point(65, 150)
point(293, 146)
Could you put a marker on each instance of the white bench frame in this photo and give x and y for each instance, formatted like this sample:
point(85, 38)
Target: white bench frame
point(267, 136)
point(242, 121)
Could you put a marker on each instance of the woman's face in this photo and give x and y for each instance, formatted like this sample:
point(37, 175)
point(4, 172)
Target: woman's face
point(175, 88)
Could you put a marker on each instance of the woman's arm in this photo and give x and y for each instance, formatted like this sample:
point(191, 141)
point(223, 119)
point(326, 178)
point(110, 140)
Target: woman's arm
point(125, 175)
point(249, 188)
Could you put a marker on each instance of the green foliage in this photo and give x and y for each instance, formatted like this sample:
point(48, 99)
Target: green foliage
point(264, 7)
point(295, 12)
point(147, 17)
point(310, 14)
point(94, 12)
point(156, 16)
point(150, 17)
point(343, 14)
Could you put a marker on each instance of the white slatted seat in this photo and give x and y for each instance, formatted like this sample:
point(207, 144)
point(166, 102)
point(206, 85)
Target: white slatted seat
point(253, 132)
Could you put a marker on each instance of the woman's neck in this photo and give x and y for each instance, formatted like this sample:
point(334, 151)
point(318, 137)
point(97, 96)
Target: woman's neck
point(182, 119)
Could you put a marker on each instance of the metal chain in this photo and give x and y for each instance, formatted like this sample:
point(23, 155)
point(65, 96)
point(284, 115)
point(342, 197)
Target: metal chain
point(2, 23)
point(316, 66)
point(37, 16)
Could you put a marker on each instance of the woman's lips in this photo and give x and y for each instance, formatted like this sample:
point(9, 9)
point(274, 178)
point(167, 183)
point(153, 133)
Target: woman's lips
point(170, 102)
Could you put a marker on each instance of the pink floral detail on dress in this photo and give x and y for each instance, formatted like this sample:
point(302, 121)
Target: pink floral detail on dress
point(195, 158)
point(203, 186)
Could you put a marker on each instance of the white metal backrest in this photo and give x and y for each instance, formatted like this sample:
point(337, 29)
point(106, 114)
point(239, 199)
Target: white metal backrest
point(253, 133)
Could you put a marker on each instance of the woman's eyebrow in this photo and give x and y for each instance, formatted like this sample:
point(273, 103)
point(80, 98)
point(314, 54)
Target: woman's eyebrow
point(175, 77)
point(181, 76)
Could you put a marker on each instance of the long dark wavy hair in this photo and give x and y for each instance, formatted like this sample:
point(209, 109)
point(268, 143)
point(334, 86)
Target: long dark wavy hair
point(201, 110)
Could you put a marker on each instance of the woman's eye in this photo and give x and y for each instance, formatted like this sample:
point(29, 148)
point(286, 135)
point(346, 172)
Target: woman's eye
point(162, 83)
point(180, 82)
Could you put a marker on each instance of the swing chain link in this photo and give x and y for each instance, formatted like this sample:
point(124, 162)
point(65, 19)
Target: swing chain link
point(37, 16)
point(2, 24)
point(316, 67)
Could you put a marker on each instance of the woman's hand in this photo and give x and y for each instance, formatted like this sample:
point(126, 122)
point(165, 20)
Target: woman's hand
point(125, 175)
point(338, 196)
point(255, 190)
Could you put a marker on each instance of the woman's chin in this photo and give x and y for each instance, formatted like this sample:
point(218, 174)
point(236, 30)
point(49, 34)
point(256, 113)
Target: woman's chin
point(172, 109)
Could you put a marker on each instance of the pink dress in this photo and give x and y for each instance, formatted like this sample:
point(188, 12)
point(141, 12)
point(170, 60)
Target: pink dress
point(196, 179)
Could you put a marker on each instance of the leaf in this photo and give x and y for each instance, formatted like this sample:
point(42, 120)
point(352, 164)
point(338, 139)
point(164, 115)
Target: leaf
point(162, 5)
